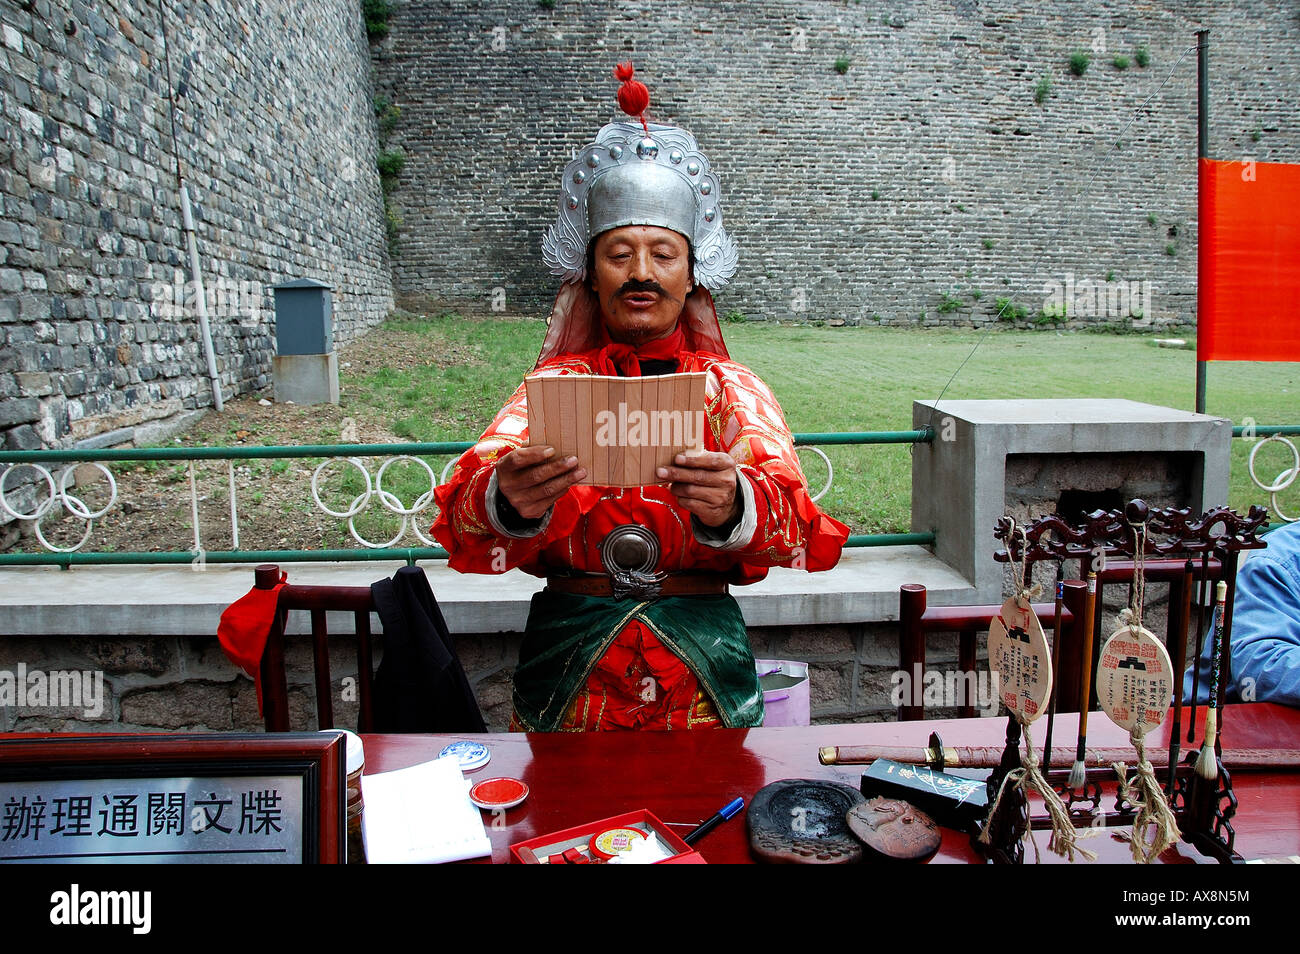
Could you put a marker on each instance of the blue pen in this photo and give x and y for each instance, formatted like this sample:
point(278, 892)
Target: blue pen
point(730, 811)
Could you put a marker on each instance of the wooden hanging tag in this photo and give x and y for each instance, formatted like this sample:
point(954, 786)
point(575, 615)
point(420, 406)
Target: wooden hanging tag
point(1019, 655)
point(1135, 679)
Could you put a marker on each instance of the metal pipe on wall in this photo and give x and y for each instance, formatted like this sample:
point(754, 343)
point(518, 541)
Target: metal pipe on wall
point(187, 223)
point(205, 330)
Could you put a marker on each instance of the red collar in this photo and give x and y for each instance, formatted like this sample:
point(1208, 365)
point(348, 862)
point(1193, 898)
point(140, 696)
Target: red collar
point(624, 360)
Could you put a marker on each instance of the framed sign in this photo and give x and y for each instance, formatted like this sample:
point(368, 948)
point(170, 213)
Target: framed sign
point(168, 799)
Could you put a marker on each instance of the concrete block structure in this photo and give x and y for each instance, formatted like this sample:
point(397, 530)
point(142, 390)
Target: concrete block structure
point(972, 472)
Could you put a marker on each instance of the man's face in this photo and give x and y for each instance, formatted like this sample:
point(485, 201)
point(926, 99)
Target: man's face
point(641, 276)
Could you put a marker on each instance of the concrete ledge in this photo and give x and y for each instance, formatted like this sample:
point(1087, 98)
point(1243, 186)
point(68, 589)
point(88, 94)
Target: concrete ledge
point(180, 601)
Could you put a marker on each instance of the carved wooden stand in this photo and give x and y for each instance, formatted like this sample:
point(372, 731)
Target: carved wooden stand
point(1204, 810)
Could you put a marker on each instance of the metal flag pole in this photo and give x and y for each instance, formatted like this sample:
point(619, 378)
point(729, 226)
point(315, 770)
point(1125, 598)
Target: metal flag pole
point(1202, 152)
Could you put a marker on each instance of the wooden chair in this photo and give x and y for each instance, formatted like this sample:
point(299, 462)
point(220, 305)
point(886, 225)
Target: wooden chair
point(318, 600)
point(915, 619)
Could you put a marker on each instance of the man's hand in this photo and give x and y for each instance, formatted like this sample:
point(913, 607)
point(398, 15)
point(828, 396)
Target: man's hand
point(704, 483)
point(532, 479)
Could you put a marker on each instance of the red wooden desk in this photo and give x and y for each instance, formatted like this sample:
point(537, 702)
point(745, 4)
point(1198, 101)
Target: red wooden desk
point(687, 776)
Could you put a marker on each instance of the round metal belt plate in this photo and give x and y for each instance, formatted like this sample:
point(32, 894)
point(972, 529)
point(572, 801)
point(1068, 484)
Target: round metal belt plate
point(630, 549)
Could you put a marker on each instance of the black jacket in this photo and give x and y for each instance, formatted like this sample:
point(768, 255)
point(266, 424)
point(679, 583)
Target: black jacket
point(420, 685)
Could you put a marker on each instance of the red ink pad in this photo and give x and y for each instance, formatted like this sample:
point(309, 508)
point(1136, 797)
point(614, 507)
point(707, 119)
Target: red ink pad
point(492, 794)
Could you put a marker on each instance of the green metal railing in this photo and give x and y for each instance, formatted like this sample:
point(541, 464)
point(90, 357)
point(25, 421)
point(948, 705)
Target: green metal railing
point(68, 559)
point(1252, 430)
point(234, 453)
point(414, 449)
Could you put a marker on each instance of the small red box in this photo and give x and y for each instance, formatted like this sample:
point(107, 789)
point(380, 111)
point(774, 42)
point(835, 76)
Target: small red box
point(535, 851)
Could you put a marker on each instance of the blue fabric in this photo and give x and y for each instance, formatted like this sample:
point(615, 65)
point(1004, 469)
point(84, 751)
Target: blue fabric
point(1265, 627)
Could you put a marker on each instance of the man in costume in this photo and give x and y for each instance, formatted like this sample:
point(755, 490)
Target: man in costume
point(635, 628)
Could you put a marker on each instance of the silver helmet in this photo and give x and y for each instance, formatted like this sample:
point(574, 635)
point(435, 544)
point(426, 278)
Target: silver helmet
point(640, 174)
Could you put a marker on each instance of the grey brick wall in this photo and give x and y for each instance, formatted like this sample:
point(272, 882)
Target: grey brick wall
point(276, 135)
point(977, 188)
point(921, 185)
point(174, 683)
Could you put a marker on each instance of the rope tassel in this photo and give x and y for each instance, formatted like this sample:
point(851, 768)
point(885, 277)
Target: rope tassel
point(1134, 684)
point(1064, 840)
point(1018, 651)
point(1146, 796)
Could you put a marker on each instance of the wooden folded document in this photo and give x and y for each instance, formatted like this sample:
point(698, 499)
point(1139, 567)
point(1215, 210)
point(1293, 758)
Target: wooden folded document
point(620, 429)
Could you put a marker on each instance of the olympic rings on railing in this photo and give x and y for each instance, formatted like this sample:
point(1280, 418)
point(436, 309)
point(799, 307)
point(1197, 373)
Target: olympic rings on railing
point(358, 502)
point(422, 501)
point(1277, 507)
point(1283, 480)
point(71, 502)
point(387, 499)
point(40, 511)
point(830, 471)
point(79, 508)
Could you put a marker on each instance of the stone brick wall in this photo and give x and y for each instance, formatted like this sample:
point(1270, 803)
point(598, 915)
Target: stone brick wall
point(275, 134)
point(186, 683)
point(926, 169)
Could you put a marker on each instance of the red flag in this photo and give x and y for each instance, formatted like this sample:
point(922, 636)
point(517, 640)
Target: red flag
point(1248, 272)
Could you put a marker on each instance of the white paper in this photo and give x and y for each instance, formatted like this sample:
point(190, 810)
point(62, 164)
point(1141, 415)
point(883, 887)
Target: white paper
point(421, 815)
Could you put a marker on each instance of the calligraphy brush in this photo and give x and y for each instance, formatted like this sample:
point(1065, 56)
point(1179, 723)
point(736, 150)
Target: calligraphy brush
point(1180, 663)
point(1202, 591)
point(1056, 668)
point(1078, 772)
point(1206, 765)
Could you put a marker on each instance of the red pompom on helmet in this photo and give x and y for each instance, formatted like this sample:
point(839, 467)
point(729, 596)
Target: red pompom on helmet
point(633, 97)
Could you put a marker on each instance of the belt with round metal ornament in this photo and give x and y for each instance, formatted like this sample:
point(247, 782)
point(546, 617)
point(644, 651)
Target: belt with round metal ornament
point(630, 554)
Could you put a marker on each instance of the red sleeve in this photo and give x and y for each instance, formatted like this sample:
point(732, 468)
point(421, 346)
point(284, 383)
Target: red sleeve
point(748, 424)
point(462, 524)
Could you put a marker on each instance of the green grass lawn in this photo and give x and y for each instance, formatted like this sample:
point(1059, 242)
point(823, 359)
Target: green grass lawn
point(858, 379)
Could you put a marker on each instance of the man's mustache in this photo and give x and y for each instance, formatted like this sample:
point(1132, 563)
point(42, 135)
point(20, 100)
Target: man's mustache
point(635, 285)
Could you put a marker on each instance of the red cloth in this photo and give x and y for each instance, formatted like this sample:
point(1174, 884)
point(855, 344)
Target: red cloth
point(244, 628)
point(624, 360)
point(1248, 270)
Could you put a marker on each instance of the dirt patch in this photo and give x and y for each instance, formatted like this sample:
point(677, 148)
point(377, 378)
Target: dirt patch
point(273, 497)
point(398, 348)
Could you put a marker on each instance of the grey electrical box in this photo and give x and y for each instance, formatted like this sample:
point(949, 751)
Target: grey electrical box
point(304, 319)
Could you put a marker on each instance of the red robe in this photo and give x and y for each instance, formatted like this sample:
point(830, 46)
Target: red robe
point(743, 419)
